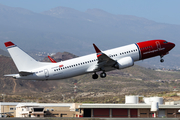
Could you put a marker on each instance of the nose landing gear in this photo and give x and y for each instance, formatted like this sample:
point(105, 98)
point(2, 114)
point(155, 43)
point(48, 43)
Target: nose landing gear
point(161, 60)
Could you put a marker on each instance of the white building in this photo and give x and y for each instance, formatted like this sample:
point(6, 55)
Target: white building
point(29, 110)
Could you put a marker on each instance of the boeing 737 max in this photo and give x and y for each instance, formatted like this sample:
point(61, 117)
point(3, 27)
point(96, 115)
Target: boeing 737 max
point(117, 58)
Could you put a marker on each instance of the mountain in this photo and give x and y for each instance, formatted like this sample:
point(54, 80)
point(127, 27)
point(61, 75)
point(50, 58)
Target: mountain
point(67, 29)
point(60, 57)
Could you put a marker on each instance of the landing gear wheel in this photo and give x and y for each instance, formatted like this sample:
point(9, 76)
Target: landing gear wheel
point(162, 60)
point(103, 75)
point(95, 76)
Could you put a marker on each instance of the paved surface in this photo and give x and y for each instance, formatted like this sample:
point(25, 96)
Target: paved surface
point(52, 118)
point(142, 119)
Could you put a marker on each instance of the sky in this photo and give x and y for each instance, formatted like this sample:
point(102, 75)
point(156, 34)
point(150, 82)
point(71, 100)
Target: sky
point(163, 11)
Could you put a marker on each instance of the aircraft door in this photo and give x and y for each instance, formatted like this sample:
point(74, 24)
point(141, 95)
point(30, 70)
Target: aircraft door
point(46, 72)
point(158, 45)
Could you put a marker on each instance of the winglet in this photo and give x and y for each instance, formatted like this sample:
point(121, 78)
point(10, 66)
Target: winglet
point(99, 53)
point(52, 60)
point(9, 44)
point(96, 48)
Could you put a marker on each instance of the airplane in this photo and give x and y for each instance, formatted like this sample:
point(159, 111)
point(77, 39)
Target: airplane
point(117, 58)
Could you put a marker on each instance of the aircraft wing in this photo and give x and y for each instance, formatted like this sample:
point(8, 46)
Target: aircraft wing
point(102, 57)
point(103, 60)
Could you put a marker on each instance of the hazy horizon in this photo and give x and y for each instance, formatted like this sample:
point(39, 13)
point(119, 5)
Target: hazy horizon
point(163, 11)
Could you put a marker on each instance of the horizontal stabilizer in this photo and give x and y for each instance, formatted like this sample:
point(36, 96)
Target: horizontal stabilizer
point(22, 73)
point(11, 75)
point(52, 60)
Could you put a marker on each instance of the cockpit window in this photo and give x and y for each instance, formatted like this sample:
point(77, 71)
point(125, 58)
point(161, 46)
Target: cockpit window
point(165, 42)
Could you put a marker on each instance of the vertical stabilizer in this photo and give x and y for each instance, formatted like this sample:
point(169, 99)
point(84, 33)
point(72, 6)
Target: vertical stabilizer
point(22, 60)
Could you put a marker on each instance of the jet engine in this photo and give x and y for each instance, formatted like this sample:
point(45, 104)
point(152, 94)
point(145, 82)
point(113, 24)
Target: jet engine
point(124, 63)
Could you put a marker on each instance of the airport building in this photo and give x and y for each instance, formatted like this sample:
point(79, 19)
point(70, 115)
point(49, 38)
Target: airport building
point(152, 107)
point(38, 109)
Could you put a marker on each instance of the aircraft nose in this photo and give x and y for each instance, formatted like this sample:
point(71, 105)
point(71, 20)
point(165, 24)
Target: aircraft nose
point(171, 46)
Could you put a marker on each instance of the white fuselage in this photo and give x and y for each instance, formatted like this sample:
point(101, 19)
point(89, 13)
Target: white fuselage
point(80, 65)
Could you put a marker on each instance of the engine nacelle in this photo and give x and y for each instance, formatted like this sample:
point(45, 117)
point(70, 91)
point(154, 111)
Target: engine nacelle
point(124, 63)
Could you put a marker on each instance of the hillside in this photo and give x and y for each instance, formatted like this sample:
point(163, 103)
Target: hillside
point(12, 86)
point(60, 57)
point(4, 53)
point(133, 80)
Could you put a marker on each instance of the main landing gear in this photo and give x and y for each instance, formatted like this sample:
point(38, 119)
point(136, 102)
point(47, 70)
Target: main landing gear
point(102, 75)
point(95, 76)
